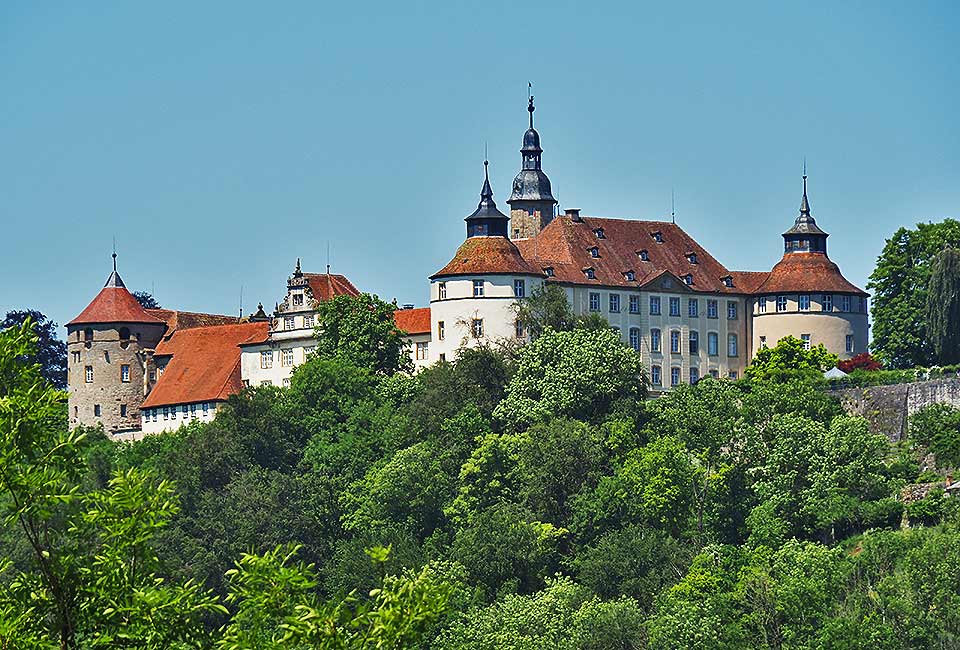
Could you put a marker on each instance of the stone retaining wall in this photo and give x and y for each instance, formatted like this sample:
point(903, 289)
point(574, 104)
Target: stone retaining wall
point(888, 407)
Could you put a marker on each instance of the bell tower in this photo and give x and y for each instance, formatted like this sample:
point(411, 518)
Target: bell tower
point(531, 204)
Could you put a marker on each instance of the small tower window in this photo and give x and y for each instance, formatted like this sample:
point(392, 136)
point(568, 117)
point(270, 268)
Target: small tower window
point(599, 233)
point(630, 276)
point(88, 374)
point(96, 410)
point(478, 288)
point(589, 273)
point(88, 334)
point(125, 374)
point(478, 328)
point(643, 255)
point(298, 300)
point(657, 236)
point(124, 334)
point(594, 252)
point(442, 290)
point(692, 258)
point(727, 281)
point(688, 279)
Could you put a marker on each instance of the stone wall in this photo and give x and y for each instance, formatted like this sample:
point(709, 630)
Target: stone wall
point(888, 407)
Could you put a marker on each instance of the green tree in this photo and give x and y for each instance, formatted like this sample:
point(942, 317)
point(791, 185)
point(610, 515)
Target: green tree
point(943, 307)
point(899, 284)
point(50, 352)
point(546, 307)
point(146, 300)
point(937, 427)
point(361, 330)
point(789, 359)
point(579, 374)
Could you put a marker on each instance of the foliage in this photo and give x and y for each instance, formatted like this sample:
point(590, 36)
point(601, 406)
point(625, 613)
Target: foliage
point(899, 284)
point(943, 306)
point(579, 374)
point(146, 300)
point(937, 427)
point(545, 308)
point(863, 361)
point(789, 359)
point(49, 352)
point(360, 329)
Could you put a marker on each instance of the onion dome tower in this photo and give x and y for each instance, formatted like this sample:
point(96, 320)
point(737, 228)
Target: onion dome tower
point(531, 203)
point(487, 219)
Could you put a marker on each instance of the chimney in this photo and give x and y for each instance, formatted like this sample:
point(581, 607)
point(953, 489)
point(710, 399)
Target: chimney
point(574, 214)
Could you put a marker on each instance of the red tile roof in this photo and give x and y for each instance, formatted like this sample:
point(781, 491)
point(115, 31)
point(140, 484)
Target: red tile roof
point(413, 321)
point(204, 364)
point(806, 273)
point(565, 246)
point(181, 320)
point(114, 305)
point(329, 285)
point(487, 255)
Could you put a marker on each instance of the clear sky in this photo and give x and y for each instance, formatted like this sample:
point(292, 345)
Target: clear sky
point(218, 141)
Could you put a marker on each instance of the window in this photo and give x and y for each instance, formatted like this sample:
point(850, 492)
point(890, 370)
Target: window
point(692, 258)
point(76, 356)
point(266, 359)
point(630, 276)
point(599, 233)
point(654, 305)
point(443, 357)
point(826, 303)
point(657, 236)
point(694, 342)
point(123, 412)
point(711, 309)
point(288, 323)
point(193, 410)
point(285, 382)
point(849, 342)
point(308, 321)
point(125, 373)
point(246, 383)
point(781, 303)
point(694, 375)
point(166, 412)
point(732, 375)
point(594, 301)
point(88, 334)
point(206, 405)
point(421, 351)
point(762, 305)
point(634, 304)
point(88, 374)
point(442, 290)
point(727, 281)
point(124, 334)
point(183, 411)
point(519, 288)
point(863, 305)
point(643, 255)
point(96, 410)
point(298, 300)
point(655, 377)
point(731, 310)
point(763, 342)
point(844, 303)
point(804, 302)
point(265, 382)
point(153, 374)
point(548, 271)
point(732, 347)
point(806, 341)
point(518, 329)
point(478, 288)
point(654, 340)
point(713, 344)
point(674, 306)
point(441, 330)
point(693, 308)
point(635, 338)
point(674, 376)
point(477, 327)
point(688, 279)
point(307, 351)
point(615, 302)
point(675, 341)
point(286, 357)
point(594, 252)
point(154, 413)
point(714, 373)
point(106, 356)
point(589, 273)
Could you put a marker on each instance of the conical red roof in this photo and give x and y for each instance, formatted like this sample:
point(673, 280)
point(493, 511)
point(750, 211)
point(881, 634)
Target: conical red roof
point(807, 273)
point(114, 304)
point(487, 255)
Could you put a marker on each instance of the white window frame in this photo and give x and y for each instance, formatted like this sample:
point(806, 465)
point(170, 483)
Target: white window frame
point(676, 344)
point(266, 359)
point(289, 323)
point(733, 345)
point(478, 288)
point(286, 358)
point(477, 328)
point(656, 375)
point(614, 303)
point(732, 310)
point(656, 340)
point(635, 338)
point(693, 308)
point(781, 303)
point(655, 306)
point(693, 342)
point(713, 344)
point(634, 304)
point(519, 289)
point(88, 374)
point(594, 301)
point(803, 302)
point(713, 309)
point(442, 290)
point(125, 373)
point(806, 341)
point(826, 302)
point(674, 306)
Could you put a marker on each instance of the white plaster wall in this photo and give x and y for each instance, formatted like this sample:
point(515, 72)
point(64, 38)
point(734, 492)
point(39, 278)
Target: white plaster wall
point(411, 340)
point(827, 327)
point(176, 418)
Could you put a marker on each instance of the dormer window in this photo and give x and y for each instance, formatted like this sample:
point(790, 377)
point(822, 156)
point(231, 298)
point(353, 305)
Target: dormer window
point(727, 281)
point(298, 300)
point(548, 271)
point(688, 279)
point(630, 276)
point(657, 236)
point(590, 273)
point(599, 233)
point(692, 258)
point(643, 255)
point(594, 252)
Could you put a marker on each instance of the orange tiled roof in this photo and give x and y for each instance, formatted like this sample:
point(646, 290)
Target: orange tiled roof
point(329, 285)
point(204, 364)
point(565, 246)
point(487, 255)
point(181, 320)
point(806, 273)
point(114, 305)
point(413, 321)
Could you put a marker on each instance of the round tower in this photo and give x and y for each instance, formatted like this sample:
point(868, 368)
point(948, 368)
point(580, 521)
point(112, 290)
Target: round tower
point(109, 348)
point(531, 203)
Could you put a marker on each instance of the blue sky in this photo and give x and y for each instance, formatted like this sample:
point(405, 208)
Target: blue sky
point(218, 141)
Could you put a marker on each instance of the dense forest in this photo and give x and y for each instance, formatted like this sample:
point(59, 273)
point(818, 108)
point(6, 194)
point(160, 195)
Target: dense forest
point(516, 498)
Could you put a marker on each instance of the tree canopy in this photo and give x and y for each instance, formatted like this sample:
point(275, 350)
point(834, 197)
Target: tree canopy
point(943, 307)
point(50, 352)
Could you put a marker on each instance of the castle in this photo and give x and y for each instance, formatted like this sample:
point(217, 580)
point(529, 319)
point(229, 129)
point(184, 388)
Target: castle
point(138, 371)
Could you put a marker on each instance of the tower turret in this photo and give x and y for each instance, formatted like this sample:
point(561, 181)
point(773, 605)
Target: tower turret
point(531, 203)
point(805, 236)
point(487, 220)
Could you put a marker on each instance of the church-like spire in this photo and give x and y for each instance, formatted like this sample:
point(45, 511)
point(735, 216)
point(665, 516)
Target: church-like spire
point(486, 219)
point(114, 279)
point(531, 109)
point(804, 203)
point(805, 235)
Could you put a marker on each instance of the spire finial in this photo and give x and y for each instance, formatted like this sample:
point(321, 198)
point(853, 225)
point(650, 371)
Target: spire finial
point(297, 271)
point(804, 202)
point(530, 107)
point(114, 261)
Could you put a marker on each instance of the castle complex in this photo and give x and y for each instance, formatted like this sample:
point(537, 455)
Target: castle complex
point(138, 371)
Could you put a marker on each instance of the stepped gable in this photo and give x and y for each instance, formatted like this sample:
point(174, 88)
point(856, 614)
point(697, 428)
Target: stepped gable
point(114, 304)
point(491, 255)
point(204, 363)
point(565, 246)
point(807, 273)
point(181, 320)
point(413, 321)
point(330, 285)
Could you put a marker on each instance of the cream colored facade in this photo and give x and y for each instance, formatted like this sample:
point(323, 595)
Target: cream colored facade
point(171, 418)
point(838, 321)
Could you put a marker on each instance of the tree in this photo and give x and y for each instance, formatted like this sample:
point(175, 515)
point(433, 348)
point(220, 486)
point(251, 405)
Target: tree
point(546, 307)
point(579, 374)
point(943, 307)
point(146, 300)
point(790, 359)
point(51, 353)
point(937, 427)
point(899, 284)
point(361, 330)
